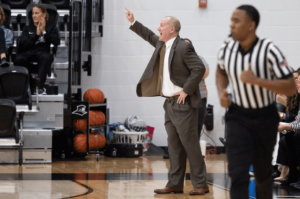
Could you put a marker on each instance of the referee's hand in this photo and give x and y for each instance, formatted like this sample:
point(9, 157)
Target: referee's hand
point(248, 76)
point(224, 99)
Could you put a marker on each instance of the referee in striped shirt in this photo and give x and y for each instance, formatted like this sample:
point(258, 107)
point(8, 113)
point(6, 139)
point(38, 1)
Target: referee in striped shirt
point(255, 69)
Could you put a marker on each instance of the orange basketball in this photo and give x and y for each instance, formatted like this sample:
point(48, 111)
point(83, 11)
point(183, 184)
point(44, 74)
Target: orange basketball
point(80, 143)
point(93, 119)
point(80, 124)
point(95, 96)
point(96, 140)
point(97, 118)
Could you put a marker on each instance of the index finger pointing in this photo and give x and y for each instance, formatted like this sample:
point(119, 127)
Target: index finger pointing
point(127, 10)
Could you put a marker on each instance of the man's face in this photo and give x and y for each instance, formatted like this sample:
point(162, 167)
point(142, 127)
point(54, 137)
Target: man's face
point(165, 30)
point(240, 25)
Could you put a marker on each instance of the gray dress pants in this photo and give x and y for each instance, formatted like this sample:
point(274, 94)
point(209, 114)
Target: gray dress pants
point(181, 123)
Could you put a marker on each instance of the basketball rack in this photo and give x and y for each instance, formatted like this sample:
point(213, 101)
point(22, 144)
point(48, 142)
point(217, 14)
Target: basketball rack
point(80, 110)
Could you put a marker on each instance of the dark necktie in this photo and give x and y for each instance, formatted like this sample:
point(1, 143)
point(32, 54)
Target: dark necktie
point(161, 68)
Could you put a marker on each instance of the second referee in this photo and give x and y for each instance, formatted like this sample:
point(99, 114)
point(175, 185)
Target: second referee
point(255, 69)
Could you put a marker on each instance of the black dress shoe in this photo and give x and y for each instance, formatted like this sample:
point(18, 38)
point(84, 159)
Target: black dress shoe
point(276, 174)
point(4, 63)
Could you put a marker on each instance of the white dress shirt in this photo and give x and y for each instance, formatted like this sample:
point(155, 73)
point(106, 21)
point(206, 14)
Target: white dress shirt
point(168, 88)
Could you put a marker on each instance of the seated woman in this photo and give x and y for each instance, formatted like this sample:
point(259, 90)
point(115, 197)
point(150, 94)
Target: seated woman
point(289, 149)
point(34, 45)
point(8, 34)
point(6, 39)
point(287, 109)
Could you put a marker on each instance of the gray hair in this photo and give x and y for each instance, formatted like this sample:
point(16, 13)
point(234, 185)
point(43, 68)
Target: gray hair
point(174, 22)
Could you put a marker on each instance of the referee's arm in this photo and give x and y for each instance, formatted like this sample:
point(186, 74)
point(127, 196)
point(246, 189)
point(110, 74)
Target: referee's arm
point(222, 83)
point(281, 86)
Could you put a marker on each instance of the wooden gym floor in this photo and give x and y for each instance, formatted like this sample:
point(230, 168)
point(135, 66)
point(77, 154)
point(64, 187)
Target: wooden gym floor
point(112, 178)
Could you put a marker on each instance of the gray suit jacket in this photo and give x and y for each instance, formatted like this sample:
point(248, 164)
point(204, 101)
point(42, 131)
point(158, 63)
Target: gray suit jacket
point(186, 69)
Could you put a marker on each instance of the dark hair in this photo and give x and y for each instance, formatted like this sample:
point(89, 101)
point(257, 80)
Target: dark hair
point(292, 104)
point(298, 70)
point(3, 16)
point(188, 40)
point(43, 9)
point(251, 12)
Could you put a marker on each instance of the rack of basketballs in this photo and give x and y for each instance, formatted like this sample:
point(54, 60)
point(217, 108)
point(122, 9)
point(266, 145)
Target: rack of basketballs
point(90, 123)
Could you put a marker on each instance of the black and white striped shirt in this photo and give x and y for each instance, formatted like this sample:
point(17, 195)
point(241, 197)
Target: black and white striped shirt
point(267, 62)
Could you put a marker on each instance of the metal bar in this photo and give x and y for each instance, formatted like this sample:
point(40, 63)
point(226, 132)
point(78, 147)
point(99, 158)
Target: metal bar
point(88, 31)
point(69, 100)
point(88, 127)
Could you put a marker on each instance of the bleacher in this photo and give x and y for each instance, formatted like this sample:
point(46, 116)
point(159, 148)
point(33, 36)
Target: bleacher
point(45, 114)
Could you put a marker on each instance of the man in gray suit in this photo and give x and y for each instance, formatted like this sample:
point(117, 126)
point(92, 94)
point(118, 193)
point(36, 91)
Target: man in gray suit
point(174, 72)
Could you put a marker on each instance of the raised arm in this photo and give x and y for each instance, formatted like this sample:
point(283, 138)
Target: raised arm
point(141, 30)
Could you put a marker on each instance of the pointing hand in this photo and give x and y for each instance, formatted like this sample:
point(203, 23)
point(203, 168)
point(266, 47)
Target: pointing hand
point(129, 15)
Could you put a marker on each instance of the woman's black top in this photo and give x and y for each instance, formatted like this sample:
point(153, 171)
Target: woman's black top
point(29, 40)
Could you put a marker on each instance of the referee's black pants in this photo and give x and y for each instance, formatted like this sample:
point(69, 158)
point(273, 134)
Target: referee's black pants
point(251, 136)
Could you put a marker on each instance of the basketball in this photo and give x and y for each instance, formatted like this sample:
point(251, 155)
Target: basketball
point(80, 143)
point(96, 140)
point(97, 118)
point(95, 96)
point(80, 124)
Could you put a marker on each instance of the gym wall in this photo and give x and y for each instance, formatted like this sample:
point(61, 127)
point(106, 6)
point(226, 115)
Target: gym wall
point(120, 56)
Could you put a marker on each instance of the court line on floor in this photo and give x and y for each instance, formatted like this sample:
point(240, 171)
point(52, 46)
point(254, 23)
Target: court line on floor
point(218, 186)
point(109, 176)
point(89, 190)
